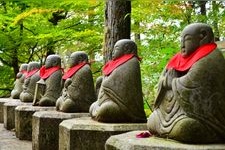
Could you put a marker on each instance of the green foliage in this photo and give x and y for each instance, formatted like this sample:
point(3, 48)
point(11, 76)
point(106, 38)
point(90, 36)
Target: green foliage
point(29, 30)
point(6, 81)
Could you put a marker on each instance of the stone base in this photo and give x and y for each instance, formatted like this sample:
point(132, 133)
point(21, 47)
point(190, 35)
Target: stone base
point(23, 120)
point(9, 113)
point(45, 128)
point(128, 141)
point(2, 102)
point(87, 134)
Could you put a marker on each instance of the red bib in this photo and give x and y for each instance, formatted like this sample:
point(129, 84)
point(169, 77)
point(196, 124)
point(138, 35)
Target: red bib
point(73, 70)
point(45, 73)
point(180, 63)
point(24, 72)
point(30, 73)
point(113, 64)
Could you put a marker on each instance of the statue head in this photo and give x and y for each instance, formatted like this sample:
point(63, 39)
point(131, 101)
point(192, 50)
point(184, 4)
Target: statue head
point(33, 65)
point(23, 67)
point(77, 57)
point(195, 35)
point(124, 46)
point(53, 61)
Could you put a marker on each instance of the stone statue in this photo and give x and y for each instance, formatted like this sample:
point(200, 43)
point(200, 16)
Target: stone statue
point(30, 81)
point(98, 84)
point(18, 84)
point(78, 92)
point(190, 102)
point(120, 96)
point(51, 75)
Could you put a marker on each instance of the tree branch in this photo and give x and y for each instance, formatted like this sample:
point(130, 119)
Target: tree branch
point(29, 30)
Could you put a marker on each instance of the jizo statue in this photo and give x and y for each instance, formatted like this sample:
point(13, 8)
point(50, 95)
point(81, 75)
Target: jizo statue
point(18, 84)
point(78, 92)
point(190, 102)
point(30, 80)
point(51, 74)
point(120, 95)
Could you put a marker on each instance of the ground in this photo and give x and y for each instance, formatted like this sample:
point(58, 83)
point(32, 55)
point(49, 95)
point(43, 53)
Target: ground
point(8, 141)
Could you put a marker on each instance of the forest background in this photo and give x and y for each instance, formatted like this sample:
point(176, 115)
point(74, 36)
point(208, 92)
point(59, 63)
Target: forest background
point(30, 30)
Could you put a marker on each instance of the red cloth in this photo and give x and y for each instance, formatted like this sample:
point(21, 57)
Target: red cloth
point(113, 64)
point(73, 70)
point(30, 73)
point(180, 63)
point(45, 73)
point(144, 135)
point(24, 72)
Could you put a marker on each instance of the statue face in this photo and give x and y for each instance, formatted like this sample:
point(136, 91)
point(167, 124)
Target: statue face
point(48, 63)
point(73, 60)
point(23, 67)
point(117, 50)
point(189, 43)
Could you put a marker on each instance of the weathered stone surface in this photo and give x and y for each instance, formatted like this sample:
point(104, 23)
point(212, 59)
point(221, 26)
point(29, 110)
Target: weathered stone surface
point(2, 102)
point(120, 98)
point(49, 86)
point(87, 134)
point(128, 141)
point(8, 141)
point(18, 84)
point(45, 128)
point(78, 91)
point(23, 120)
point(190, 95)
point(9, 113)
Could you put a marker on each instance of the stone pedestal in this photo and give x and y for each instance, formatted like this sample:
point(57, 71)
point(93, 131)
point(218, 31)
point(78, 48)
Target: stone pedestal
point(2, 102)
point(87, 134)
point(45, 128)
point(9, 113)
point(23, 120)
point(128, 141)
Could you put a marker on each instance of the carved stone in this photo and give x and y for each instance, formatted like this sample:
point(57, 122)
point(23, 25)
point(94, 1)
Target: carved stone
point(128, 141)
point(85, 133)
point(120, 95)
point(45, 128)
point(190, 102)
point(2, 102)
point(30, 81)
point(9, 113)
point(51, 75)
point(23, 120)
point(78, 92)
point(20, 77)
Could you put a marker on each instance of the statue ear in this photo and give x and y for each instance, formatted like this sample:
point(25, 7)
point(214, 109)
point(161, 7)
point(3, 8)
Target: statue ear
point(204, 36)
point(127, 48)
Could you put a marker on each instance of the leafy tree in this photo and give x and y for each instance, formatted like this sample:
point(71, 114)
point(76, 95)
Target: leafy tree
point(31, 30)
point(117, 24)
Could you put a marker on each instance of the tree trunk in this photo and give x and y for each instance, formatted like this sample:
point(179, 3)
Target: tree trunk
point(137, 36)
point(215, 8)
point(117, 24)
point(15, 62)
point(202, 5)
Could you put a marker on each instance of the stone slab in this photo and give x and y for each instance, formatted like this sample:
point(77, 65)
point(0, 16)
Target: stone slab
point(45, 128)
point(2, 102)
point(23, 120)
point(8, 141)
point(9, 113)
point(87, 134)
point(128, 141)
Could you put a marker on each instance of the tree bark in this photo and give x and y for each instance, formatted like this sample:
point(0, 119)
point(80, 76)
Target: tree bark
point(117, 24)
point(215, 8)
point(202, 5)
